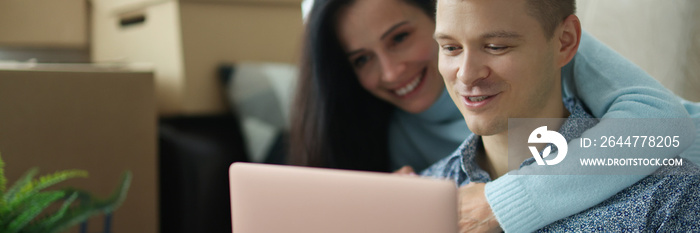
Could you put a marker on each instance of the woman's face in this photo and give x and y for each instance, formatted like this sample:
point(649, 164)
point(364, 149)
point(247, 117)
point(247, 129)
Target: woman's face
point(390, 45)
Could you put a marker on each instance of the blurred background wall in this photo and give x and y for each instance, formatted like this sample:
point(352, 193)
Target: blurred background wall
point(187, 39)
point(663, 37)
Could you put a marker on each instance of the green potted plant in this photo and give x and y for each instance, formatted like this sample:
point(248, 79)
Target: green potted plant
point(24, 207)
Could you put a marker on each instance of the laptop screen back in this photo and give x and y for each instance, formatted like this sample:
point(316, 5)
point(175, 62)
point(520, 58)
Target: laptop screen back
point(274, 198)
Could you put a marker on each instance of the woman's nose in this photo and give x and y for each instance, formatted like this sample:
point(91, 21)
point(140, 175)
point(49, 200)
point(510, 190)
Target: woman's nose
point(392, 67)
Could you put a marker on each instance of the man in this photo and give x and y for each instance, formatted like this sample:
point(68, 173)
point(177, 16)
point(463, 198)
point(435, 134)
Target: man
point(499, 62)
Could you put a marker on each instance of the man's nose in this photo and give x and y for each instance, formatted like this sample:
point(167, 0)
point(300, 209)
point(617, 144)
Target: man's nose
point(472, 67)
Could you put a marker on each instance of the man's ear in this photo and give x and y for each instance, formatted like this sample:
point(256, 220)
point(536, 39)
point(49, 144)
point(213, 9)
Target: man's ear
point(569, 36)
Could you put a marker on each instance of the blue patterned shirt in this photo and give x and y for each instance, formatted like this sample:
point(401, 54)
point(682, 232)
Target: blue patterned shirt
point(667, 200)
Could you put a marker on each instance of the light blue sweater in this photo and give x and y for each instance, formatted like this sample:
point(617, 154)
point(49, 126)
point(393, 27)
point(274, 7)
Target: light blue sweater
point(608, 84)
point(693, 152)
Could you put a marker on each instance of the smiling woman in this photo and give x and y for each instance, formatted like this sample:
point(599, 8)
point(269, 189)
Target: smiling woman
point(355, 77)
point(395, 60)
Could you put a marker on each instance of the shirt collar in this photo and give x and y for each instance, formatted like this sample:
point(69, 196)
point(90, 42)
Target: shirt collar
point(577, 122)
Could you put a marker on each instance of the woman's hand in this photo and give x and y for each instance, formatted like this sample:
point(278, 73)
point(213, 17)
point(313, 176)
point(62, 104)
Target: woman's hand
point(475, 214)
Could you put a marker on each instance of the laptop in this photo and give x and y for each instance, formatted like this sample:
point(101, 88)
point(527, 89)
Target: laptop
point(278, 198)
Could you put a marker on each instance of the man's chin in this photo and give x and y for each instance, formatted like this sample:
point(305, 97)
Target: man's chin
point(483, 128)
point(484, 132)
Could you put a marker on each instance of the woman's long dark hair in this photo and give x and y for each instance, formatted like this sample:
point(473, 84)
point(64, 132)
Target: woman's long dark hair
point(336, 123)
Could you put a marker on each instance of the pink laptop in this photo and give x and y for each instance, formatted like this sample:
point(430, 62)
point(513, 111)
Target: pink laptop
point(276, 198)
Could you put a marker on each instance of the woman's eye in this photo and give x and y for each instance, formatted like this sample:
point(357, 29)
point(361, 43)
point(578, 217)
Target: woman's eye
point(400, 37)
point(360, 61)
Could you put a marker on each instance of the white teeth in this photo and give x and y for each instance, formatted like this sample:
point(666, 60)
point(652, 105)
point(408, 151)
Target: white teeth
point(408, 88)
point(478, 99)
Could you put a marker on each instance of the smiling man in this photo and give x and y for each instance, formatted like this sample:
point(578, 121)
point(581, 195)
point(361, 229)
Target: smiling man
point(498, 67)
point(502, 59)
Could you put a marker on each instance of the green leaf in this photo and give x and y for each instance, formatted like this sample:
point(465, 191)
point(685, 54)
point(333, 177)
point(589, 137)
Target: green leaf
point(90, 206)
point(33, 208)
point(3, 179)
point(11, 194)
point(51, 179)
point(23, 203)
point(44, 224)
point(37, 185)
point(3, 185)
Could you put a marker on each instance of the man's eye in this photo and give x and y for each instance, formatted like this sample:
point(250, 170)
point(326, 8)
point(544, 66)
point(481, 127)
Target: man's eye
point(360, 61)
point(450, 49)
point(400, 37)
point(498, 49)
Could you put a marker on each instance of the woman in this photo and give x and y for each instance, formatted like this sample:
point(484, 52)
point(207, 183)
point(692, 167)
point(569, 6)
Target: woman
point(370, 96)
point(328, 122)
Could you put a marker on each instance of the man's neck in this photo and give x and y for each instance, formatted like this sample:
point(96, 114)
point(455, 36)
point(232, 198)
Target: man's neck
point(494, 158)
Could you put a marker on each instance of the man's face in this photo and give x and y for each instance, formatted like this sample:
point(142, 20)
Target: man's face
point(496, 62)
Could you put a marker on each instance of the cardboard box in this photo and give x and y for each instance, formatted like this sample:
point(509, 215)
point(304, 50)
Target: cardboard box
point(188, 40)
point(102, 120)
